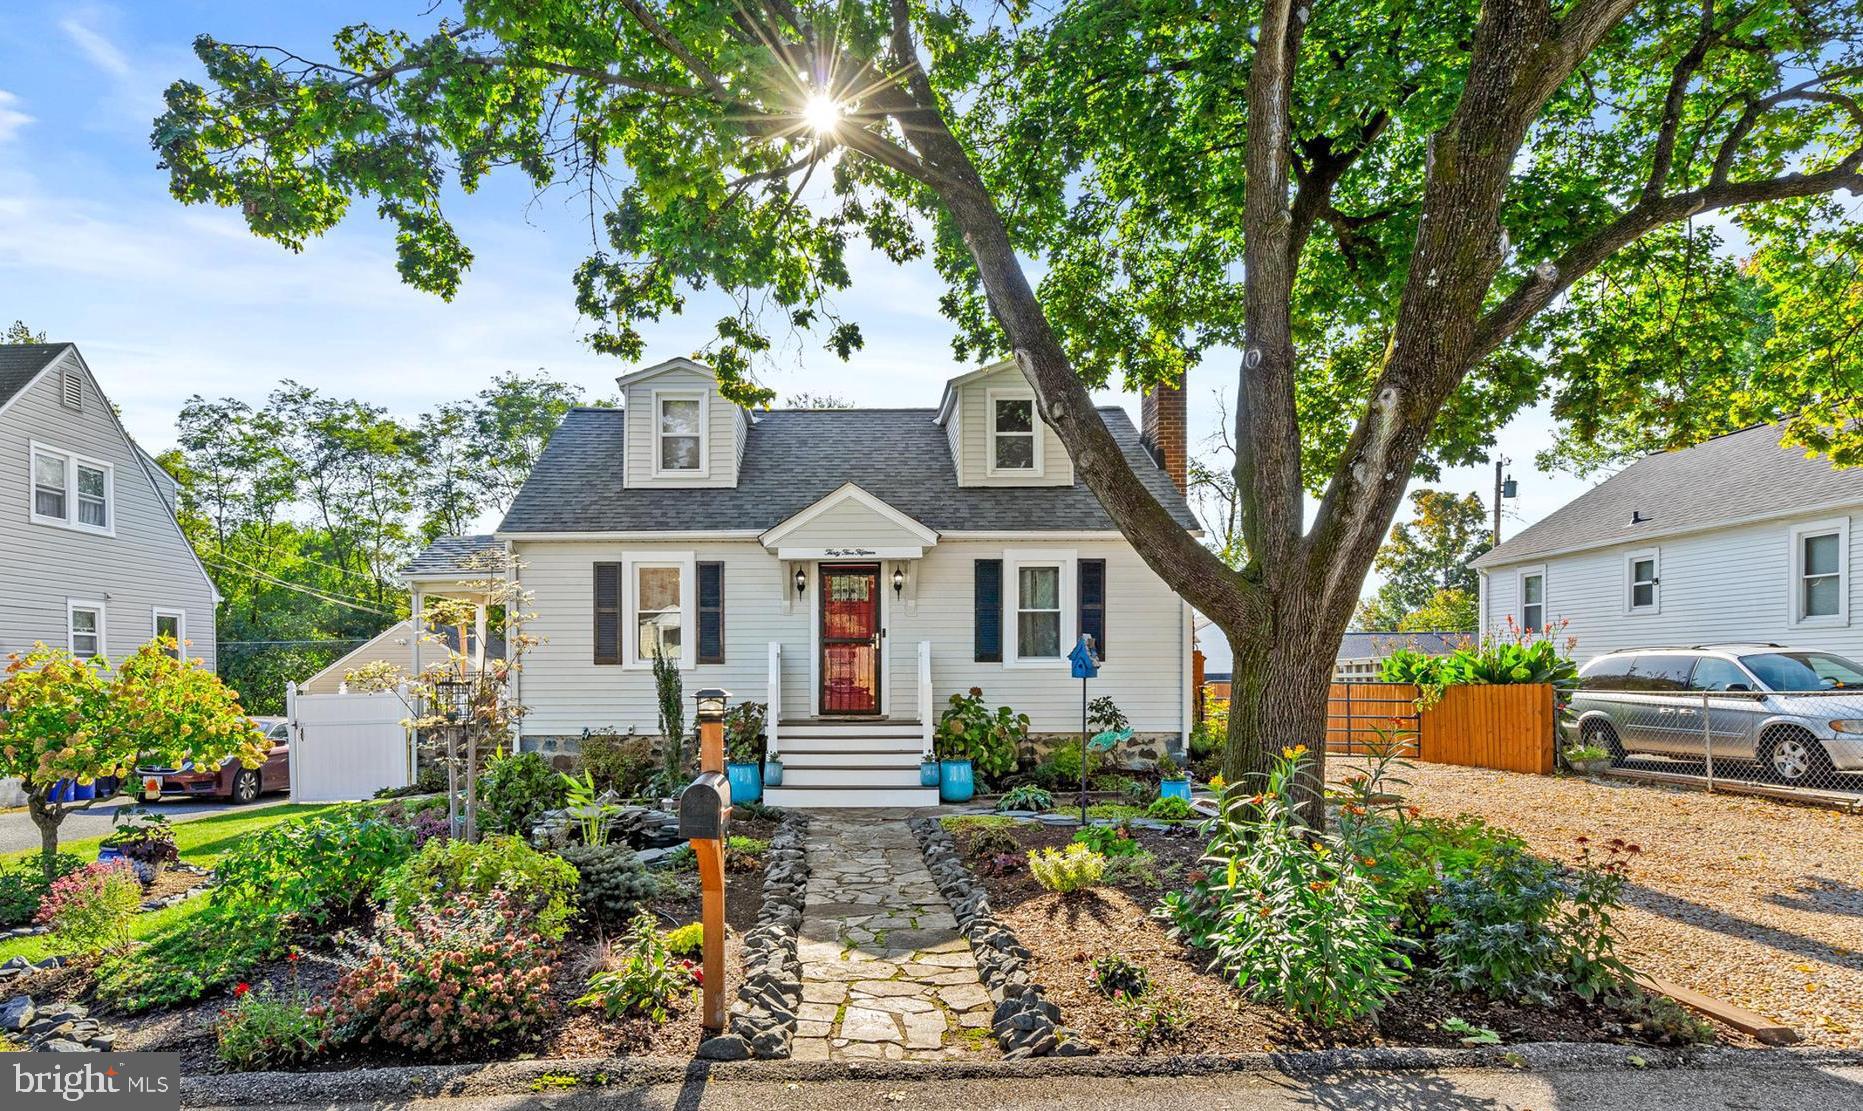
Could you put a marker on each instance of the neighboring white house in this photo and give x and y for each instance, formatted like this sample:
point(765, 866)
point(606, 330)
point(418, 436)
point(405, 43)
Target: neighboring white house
point(853, 568)
point(96, 561)
point(1734, 540)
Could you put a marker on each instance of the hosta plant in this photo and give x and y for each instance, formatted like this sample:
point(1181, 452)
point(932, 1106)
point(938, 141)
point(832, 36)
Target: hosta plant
point(1027, 797)
point(1069, 870)
point(642, 976)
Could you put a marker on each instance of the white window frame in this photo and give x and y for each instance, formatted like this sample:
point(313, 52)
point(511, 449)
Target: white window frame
point(1795, 588)
point(181, 628)
point(1520, 597)
point(687, 563)
point(72, 461)
point(1035, 433)
point(72, 606)
point(1013, 562)
point(1654, 556)
point(704, 398)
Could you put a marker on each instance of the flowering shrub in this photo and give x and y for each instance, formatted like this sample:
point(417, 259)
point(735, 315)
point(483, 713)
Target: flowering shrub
point(23, 887)
point(265, 1030)
point(537, 886)
point(644, 977)
point(466, 975)
point(1067, 871)
point(89, 911)
point(1292, 916)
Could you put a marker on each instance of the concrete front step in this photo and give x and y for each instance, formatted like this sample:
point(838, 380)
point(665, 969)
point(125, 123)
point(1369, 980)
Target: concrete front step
point(844, 728)
point(789, 745)
point(853, 758)
point(841, 776)
point(834, 797)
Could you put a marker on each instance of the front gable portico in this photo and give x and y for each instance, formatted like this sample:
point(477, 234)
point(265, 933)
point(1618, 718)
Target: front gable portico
point(849, 524)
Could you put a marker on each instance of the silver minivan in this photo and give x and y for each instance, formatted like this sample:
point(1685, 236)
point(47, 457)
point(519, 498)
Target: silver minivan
point(1797, 712)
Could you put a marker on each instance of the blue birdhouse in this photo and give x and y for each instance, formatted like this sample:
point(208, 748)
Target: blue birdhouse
point(1085, 664)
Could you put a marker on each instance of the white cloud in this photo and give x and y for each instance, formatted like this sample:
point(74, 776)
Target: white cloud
point(82, 28)
point(11, 117)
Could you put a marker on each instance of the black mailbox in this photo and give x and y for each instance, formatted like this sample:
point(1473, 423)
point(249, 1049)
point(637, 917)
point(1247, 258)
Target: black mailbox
point(705, 807)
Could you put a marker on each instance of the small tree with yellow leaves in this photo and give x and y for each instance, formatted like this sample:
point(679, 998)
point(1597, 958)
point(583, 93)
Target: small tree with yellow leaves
point(65, 718)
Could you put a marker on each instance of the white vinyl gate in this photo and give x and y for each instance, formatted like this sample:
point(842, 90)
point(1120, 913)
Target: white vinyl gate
point(347, 746)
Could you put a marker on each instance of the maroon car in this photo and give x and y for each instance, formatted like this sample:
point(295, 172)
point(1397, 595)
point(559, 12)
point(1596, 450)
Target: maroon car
point(230, 780)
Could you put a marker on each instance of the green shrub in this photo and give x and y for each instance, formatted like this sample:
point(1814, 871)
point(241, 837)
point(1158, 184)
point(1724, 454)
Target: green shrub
point(744, 854)
point(1114, 976)
point(310, 871)
point(1290, 916)
point(515, 791)
point(90, 910)
point(1523, 657)
point(1155, 1018)
point(989, 739)
point(991, 840)
point(1108, 840)
point(644, 978)
point(1067, 871)
point(22, 888)
point(612, 882)
point(1411, 858)
point(684, 941)
point(1139, 869)
point(263, 1030)
point(1495, 933)
point(459, 978)
point(618, 762)
point(1132, 792)
point(1027, 797)
point(538, 885)
point(1171, 809)
point(743, 729)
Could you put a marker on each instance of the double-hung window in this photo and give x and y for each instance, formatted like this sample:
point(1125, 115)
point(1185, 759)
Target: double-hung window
point(679, 433)
point(84, 623)
point(1015, 440)
point(662, 609)
point(71, 491)
point(172, 625)
point(1820, 572)
point(1041, 607)
point(1533, 599)
point(1641, 582)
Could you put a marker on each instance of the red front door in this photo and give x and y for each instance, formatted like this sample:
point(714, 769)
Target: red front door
point(850, 639)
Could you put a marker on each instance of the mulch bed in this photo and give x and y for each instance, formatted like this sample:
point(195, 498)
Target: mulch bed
point(572, 1031)
point(1064, 933)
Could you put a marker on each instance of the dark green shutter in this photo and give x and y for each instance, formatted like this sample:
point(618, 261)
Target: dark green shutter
point(989, 599)
point(1093, 602)
point(608, 613)
point(711, 613)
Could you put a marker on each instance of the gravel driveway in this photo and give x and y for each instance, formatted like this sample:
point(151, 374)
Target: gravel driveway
point(1744, 899)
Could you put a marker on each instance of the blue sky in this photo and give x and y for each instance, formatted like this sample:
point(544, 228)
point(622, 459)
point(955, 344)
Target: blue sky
point(168, 301)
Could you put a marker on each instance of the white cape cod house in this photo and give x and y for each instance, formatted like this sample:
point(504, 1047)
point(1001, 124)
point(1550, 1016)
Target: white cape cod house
point(852, 568)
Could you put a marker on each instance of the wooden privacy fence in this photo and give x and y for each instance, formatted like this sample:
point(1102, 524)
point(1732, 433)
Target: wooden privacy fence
point(1505, 727)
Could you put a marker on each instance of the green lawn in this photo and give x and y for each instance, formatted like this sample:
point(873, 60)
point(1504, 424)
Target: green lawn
point(202, 841)
point(145, 928)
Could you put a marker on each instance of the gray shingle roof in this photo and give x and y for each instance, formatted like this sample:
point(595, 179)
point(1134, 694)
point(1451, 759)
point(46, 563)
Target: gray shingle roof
point(21, 362)
point(796, 457)
point(1740, 476)
point(450, 555)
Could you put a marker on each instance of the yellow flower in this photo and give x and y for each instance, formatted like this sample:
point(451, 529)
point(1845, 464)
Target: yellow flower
point(1217, 783)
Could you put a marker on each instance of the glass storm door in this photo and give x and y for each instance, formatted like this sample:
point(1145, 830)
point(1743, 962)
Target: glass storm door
point(850, 639)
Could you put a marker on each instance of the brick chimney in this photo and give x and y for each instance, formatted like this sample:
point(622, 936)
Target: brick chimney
point(1162, 431)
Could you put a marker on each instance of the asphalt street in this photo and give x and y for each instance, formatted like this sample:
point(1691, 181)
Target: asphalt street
point(17, 831)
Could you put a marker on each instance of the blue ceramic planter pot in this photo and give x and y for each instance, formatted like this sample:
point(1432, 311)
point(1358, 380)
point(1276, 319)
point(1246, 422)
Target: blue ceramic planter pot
point(955, 781)
point(773, 773)
point(928, 773)
point(1174, 789)
point(109, 852)
point(746, 782)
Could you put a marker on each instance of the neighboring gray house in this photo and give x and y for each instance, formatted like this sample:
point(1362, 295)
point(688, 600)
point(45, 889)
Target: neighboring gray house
point(1738, 539)
point(852, 568)
point(96, 561)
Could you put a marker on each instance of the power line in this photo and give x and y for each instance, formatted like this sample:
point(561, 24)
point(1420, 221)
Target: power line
point(318, 594)
point(291, 643)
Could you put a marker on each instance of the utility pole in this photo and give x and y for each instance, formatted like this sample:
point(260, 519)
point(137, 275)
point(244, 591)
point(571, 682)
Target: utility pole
point(1499, 462)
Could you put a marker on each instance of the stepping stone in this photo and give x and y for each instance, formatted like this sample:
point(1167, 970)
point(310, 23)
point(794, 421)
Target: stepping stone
point(850, 970)
point(925, 1031)
point(824, 991)
point(809, 1049)
point(861, 1049)
point(963, 997)
point(948, 960)
point(815, 1029)
point(925, 937)
point(900, 1006)
point(946, 979)
point(816, 1012)
point(958, 945)
point(888, 987)
point(863, 1024)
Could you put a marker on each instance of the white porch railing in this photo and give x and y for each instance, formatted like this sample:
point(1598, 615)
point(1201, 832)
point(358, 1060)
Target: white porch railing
point(775, 711)
point(925, 694)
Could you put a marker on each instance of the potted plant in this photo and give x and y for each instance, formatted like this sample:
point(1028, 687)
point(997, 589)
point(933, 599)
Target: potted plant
point(144, 839)
point(743, 734)
point(773, 770)
point(1587, 759)
point(928, 770)
point(974, 739)
point(1172, 782)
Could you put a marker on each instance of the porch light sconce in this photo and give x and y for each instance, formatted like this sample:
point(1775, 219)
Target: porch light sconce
point(899, 581)
point(802, 580)
point(711, 702)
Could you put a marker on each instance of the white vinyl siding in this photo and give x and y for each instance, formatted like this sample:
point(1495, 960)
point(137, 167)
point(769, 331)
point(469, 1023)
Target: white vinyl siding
point(567, 692)
point(141, 563)
point(1745, 583)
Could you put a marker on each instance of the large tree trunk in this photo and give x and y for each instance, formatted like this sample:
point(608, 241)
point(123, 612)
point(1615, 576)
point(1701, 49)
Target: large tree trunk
point(1278, 686)
point(47, 819)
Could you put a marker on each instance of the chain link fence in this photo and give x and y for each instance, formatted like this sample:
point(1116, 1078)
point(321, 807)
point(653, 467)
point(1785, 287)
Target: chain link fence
point(1792, 743)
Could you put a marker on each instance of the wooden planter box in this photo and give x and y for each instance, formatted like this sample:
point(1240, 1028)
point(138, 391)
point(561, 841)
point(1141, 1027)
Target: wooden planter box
point(1508, 728)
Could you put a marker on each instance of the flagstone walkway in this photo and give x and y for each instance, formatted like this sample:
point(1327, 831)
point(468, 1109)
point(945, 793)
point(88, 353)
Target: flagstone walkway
point(885, 972)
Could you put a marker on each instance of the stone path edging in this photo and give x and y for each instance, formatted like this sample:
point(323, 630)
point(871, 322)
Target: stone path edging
point(400, 1082)
point(1026, 1022)
point(763, 1020)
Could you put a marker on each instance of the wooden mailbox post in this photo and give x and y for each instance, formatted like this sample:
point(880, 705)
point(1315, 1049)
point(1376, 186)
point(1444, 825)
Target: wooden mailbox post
point(704, 813)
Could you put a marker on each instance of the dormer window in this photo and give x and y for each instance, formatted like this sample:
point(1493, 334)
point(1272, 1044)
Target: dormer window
point(1015, 446)
point(679, 424)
